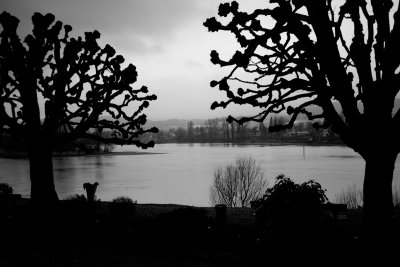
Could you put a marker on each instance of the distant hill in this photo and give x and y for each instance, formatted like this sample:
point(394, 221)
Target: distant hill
point(173, 123)
point(176, 123)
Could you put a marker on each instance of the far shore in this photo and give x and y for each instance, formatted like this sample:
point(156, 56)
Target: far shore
point(261, 143)
point(23, 155)
point(125, 153)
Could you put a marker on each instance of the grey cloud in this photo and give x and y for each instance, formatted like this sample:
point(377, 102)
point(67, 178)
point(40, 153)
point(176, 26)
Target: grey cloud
point(135, 45)
point(152, 18)
point(143, 25)
point(192, 64)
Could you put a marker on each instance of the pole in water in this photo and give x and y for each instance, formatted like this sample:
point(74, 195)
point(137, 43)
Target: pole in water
point(304, 151)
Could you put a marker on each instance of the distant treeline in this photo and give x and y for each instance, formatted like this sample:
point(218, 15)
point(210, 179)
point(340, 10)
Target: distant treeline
point(14, 147)
point(211, 131)
point(219, 130)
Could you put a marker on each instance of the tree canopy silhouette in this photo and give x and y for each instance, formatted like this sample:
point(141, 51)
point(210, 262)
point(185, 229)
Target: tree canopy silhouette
point(55, 89)
point(295, 54)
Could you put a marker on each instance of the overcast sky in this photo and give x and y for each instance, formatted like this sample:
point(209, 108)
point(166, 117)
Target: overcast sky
point(164, 39)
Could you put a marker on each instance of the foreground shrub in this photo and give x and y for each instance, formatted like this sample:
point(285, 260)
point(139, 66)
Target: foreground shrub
point(123, 207)
point(77, 207)
point(77, 198)
point(291, 209)
point(5, 189)
point(5, 192)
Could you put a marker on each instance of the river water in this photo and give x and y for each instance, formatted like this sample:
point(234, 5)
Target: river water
point(182, 173)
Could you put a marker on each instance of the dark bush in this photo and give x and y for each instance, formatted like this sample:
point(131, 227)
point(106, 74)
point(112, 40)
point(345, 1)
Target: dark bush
point(123, 207)
point(77, 207)
point(77, 198)
point(5, 189)
point(291, 209)
point(5, 193)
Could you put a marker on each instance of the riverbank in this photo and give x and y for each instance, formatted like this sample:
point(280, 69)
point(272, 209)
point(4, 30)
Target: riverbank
point(23, 155)
point(167, 235)
point(154, 235)
point(132, 153)
point(263, 143)
point(143, 211)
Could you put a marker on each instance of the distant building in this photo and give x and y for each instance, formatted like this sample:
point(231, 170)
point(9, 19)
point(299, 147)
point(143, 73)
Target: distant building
point(325, 133)
point(303, 133)
point(294, 133)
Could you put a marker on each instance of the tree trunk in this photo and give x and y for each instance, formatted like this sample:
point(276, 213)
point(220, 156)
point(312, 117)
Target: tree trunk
point(43, 192)
point(378, 202)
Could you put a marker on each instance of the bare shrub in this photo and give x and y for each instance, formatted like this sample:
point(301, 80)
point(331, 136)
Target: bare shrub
point(239, 183)
point(396, 196)
point(353, 196)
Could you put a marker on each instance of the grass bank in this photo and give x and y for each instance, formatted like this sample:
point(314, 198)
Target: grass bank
point(167, 235)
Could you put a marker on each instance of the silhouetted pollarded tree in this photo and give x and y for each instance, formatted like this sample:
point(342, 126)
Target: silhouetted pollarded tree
point(297, 50)
point(49, 81)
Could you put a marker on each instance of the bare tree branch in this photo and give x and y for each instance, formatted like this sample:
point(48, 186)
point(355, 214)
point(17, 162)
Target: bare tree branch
point(236, 185)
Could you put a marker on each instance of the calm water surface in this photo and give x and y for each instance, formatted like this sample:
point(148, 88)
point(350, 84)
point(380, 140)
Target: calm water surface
point(184, 173)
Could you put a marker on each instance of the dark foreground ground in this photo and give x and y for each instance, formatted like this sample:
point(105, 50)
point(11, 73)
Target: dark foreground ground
point(77, 234)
